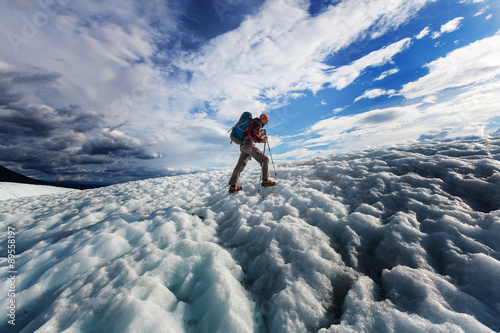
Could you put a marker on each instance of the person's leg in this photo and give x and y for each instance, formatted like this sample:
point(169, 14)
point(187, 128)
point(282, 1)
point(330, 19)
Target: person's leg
point(240, 166)
point(263, 161)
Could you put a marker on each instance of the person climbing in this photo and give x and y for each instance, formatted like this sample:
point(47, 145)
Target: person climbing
point(255, 134)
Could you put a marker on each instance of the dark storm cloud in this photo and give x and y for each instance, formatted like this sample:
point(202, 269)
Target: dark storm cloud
point(9, 80)
point(20, 121)
point(60, 142)
point(30, 156)
point(78, 119)
point(115, 143)
point(57, 143)
point(32, 78)
point(25, 121)
point(6, 97)
point(83, 159)
point(38, 137)
point(107, 146)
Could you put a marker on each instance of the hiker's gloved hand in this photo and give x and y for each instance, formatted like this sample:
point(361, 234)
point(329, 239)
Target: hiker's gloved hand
point(264, 132)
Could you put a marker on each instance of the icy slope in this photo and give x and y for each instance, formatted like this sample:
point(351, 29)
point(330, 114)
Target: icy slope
point(394, 240)
point(10, 190)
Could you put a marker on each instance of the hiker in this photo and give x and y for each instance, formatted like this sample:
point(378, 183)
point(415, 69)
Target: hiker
point(255, 134)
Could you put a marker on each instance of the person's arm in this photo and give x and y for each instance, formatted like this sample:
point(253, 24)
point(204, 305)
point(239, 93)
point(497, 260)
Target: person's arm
point(255, 131)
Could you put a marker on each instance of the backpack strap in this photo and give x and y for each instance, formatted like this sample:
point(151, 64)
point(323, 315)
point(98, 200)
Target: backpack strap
point(249, 135)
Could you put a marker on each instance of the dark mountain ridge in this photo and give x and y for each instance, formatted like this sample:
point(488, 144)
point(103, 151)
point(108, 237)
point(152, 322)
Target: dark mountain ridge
point(7, 175)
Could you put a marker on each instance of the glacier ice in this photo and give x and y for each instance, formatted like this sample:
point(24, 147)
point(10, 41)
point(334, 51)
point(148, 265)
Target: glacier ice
point(381, 240)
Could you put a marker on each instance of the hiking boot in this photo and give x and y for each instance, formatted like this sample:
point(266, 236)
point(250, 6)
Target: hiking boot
point(233, 189)
point(266, 183)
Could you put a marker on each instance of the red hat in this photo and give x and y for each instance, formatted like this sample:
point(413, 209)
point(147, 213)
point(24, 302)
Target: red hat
point(264, 116)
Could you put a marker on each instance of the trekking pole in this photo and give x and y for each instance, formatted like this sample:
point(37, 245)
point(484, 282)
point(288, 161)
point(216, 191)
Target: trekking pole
point(270, 154)
point(260, 181)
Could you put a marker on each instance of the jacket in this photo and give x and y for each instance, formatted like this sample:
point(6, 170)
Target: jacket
point(254, 132)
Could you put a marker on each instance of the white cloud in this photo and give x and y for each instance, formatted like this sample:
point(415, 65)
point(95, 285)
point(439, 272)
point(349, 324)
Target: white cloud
point(360, 129)
point(344, 76)
point(453, 113)
point(272, 55)
point(463, 115)
point(4, 66)
point(386, 74)
point(374, 93)
point(482, 11)
point(99, 60)
point(451, 25)
point(475, 63)
point(435, 35)
point(448, 27)
point(423, 33)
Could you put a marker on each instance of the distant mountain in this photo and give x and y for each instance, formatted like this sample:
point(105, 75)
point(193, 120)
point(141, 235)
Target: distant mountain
point(7, 175)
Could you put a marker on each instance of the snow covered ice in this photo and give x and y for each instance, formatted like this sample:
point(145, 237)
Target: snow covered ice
point(16, 190)
point(402, 239)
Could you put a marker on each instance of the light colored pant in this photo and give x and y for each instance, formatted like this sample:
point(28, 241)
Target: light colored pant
point(246, 152)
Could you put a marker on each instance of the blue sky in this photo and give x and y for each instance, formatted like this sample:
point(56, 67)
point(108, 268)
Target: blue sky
point(120, 90)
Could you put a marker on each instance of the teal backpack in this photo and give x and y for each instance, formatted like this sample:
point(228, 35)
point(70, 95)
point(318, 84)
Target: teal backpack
point(239, 130)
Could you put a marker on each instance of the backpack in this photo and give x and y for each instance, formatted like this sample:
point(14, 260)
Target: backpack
point(239, 130)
